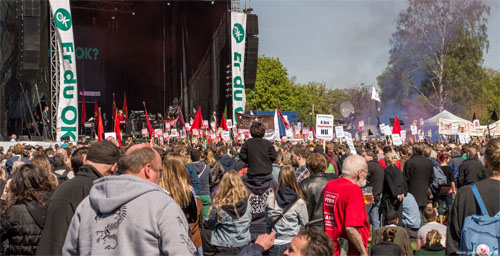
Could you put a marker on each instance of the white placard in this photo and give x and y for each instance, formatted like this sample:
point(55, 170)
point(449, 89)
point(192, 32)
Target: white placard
point(174, 133)
point(225, 135)
point(229, 123)
point(109, 135)
point(476, 123)
point(339, 131)
point(324, 127)
point(348, 139)
point(467, 138)
point(396, 140)
point(158, 133)
point(310, 136)
point(403, 135)
point(289, 132)
point(454, 128)
point(196, 132)
point(414, 130)
point(145, 132)
point(361, 125)
point(205, 124)
point(461, 138)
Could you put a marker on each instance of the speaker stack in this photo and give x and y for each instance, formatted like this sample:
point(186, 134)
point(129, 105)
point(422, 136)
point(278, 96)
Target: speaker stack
point(252, 50)
point(29, 12)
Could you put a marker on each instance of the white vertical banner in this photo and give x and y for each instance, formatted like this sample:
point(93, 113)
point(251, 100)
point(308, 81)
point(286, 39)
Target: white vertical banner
point(67, 108)
point(238, 39)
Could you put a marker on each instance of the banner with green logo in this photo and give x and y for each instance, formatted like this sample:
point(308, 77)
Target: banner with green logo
point(67, 108)
point(238, 34)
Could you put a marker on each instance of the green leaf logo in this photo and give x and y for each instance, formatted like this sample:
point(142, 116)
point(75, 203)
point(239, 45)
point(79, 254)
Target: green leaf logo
point(62, 19)
point(238, 33)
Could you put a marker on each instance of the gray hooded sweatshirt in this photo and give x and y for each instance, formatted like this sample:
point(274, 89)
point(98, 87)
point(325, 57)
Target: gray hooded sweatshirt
point(127, 215)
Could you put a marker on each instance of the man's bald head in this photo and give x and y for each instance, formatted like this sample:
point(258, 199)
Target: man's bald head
point(137, 157)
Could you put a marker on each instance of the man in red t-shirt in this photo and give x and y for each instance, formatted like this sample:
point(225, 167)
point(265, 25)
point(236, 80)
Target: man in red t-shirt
point(344, 208)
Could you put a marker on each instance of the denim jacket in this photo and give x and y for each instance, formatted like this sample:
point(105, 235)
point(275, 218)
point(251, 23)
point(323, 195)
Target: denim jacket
point(289, 226)
point(229, 231)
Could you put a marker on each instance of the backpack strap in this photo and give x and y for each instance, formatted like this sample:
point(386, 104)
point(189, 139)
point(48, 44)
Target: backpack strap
point(479, 200)
point(201, 173)
point(283, 213)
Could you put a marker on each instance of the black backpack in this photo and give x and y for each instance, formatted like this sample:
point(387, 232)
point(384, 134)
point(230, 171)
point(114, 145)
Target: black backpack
point(62, 177)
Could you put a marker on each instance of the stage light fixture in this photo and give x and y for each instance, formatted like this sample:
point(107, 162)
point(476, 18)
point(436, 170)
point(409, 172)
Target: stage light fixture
point(213, 2)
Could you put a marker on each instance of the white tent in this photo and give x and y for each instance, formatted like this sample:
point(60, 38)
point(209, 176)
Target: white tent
point(434, 121)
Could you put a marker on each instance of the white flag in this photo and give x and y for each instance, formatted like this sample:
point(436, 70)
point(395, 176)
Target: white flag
point(375, 95)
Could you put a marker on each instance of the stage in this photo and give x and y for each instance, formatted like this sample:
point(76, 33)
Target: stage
point(161, 53)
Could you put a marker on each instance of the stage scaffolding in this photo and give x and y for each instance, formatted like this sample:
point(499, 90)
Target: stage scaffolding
point(54, 76)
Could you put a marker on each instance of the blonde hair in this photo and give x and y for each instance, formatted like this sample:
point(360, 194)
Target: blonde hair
point(288, 179)
point(231, 191)
point(41, 161)
point(390, 158)
point(209, 157)
point(433, 237)
point(175, 179)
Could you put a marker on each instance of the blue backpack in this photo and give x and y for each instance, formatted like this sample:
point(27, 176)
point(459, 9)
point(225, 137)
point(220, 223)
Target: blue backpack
point(480, 233)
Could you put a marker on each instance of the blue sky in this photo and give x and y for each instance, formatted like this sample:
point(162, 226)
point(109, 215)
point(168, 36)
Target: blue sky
point(340, 42)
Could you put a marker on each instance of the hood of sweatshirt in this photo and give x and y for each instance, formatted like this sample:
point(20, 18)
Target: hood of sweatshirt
point(285, 197)
point(36, 210)
point(198, 166)
point(227, 163)
point(258, 184)
point(241, 207)
point(111, 192)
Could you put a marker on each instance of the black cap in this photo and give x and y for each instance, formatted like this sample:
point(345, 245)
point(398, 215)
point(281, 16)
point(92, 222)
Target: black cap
point(103, 152)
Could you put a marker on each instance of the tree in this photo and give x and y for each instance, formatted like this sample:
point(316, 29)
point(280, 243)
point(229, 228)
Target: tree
point(436, 54)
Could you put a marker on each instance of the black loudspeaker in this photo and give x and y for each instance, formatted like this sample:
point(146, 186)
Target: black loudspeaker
point(37, 138)
point(30, 39)
point(251, 55)
point(252, 24)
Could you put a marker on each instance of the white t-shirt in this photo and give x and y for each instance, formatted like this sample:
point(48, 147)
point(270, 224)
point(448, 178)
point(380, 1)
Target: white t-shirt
point(422, 232)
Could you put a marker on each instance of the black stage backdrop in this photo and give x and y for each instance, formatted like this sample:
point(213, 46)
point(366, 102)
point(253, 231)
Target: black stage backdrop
point(150, 51)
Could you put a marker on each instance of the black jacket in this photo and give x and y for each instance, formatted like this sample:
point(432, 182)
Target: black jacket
point(470, 171)
point(465, 205)
point(259, 188)
point(259, 154)
point(419, 174)
point(61, 207)
point(312, 188)
point(375, 178)
point(22, 225)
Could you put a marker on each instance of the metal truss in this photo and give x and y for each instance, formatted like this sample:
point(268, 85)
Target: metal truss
point(54, 76)
point(103, 6)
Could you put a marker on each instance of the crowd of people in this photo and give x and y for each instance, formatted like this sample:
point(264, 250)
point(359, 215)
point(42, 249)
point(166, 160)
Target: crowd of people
point(247, 198)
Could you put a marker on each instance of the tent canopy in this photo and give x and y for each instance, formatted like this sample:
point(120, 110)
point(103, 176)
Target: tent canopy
point(445, 115)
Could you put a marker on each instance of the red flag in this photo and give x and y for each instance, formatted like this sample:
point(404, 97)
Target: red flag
point(396, 129)
point(173, 122)
point(96, 110)
point(100, 127)
point(287, 125)
point(114, 107)
point(181, 117)
point(124, 108)
point(117, 129)
point(83, 116)
point(223, 124)
point(150, 128)
point(197, 122)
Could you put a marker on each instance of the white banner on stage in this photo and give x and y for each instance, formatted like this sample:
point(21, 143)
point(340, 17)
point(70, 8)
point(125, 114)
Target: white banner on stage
point(67, 108)
point(238, 34)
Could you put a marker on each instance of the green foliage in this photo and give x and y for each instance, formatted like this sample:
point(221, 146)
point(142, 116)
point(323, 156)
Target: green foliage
point(436, 58)
point(275, 88)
